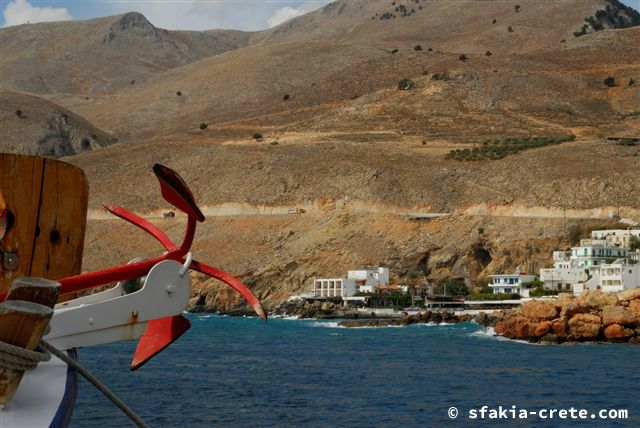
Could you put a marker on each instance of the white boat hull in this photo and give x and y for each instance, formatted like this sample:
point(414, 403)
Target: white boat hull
point(45, 398)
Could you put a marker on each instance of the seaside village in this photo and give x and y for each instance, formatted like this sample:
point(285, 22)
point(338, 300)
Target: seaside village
point(609, 261)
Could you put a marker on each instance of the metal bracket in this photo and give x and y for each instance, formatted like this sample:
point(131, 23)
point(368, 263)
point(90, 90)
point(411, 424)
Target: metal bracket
point(10, 260)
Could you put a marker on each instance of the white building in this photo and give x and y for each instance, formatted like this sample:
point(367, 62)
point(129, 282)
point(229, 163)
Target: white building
point(333, 287)
point(618, 237)
point(593, 252)
point(580, 268)
point(622, 274)
point(510, 283)
point(357, 281)
point(564, 274)
point(367, 279)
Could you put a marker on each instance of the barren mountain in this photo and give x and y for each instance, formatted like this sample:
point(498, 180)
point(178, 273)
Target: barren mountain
point(327, 142)
point(101, 55)
point(33, 126)
point(469, 26)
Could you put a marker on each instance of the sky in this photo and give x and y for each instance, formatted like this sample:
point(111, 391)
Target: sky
point(246, 15)
point(170, 14)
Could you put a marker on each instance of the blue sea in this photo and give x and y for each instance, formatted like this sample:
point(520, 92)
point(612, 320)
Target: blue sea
point(243, 372)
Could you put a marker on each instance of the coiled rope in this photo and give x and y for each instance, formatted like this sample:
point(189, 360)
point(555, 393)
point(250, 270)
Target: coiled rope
point(18, 358)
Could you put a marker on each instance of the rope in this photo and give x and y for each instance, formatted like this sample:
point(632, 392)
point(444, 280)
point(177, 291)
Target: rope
point(15, 357)
point(95, 382)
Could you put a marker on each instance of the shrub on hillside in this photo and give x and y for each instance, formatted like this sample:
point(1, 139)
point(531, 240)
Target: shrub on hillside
point(203, 125)
point(462, 57)
point(19, 113)
point(179, 93)
point(627, 142)
point(417, 48)
point(610, 81)
point(510, 29)
point(405, 84)
point(501, 148)
point(257, 136)
point(286, 97)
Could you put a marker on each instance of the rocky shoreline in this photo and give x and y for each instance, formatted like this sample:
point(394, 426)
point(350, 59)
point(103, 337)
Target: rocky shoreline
point(591, 317)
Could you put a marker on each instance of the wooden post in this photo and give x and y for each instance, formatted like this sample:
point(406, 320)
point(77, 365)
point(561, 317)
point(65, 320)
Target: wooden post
point(47, 202)
point(36, 290)
point(23, 323)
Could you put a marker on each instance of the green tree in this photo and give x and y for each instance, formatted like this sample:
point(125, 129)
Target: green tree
point(634, 243)
point(453, 287)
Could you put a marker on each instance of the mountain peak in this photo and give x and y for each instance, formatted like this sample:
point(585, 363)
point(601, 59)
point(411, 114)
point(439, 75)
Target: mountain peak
point(131, 24)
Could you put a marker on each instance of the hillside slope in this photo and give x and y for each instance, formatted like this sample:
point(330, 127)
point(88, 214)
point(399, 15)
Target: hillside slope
point(33, 126)
point(461, 26)
point(101, 55)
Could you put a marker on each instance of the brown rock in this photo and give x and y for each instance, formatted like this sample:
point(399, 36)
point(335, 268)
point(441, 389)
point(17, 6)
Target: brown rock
point(542, 328)
point(538, 310)
point(572, 308)
point(632, 294)
point(584, 326)
point(501, 328)
point(619, 315)
point(635, 340)
point(597, 299)
point(634, 306)
point(515, 328)
point(616, 331)
point(559, 328)
point(550, 338)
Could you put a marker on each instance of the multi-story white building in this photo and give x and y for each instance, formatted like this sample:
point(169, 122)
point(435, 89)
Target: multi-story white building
point(510, 283)
point(573, 269)
point(357, 281)
point(593, 252)
point(622, 274)
point(617, 237)
point(564, 274)
point(367, 279)
point(333, 287)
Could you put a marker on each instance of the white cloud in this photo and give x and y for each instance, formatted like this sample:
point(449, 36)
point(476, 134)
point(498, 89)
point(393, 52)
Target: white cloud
point(248, 15)
point(283, 14)
point(21, 11)
point(286, 13)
